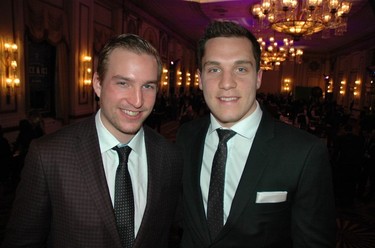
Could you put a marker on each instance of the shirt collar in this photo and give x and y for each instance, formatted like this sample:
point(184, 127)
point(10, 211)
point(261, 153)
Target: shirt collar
point(246, 127)
point(107, 141)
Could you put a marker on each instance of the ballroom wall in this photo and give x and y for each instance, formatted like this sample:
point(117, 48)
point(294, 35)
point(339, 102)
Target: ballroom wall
point(70, 29)
point(349, 78)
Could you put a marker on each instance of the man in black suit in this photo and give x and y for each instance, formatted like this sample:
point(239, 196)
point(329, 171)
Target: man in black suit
point(277, 186)
point(67, 193)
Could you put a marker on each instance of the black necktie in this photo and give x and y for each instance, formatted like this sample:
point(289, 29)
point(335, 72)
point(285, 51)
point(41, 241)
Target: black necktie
point(215, 204)
point(124, 202)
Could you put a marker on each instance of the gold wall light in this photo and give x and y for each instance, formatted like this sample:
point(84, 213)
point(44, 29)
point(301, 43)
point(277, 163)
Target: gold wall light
point(330, 86)
point(342, 87)
point(10, 79)
point(357, 88)
point(179, 75)
point(287, 85)
point(86, 71)
point(188, 78)
point(165, 77)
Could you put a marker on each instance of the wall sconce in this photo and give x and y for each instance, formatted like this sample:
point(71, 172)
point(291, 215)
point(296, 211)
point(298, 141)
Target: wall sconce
point(86, 72)
point(342, 87)
point(165, 77)
point(196, 79)
point(356, 89)
point(330, 87)
point(328, 83)
point(188, 79)
point(286, 85)
point(179, 82)
point(11, 81)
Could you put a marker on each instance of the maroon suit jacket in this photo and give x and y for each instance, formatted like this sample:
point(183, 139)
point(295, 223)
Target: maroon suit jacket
point(63, 198)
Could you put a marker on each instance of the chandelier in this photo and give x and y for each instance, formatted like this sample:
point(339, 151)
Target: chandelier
point(303, 17)
point(273, 54)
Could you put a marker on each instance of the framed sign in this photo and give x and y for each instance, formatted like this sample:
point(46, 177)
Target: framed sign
point(40, 76)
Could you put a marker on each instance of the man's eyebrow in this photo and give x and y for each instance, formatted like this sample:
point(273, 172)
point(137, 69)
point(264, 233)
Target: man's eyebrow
point(243, 62)
point(129, 80)
point(119, 77)
point(211, 63)
point(238, 62)
point(151, 82)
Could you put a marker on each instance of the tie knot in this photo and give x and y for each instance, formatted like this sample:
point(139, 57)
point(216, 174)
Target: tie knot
point(225, 134)
point(123, 153)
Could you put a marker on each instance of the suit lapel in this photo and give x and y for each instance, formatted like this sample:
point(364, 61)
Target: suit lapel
point(195, 193)
point(154, 158)
point(155, 170)
point(89, 157)
point(255, 165)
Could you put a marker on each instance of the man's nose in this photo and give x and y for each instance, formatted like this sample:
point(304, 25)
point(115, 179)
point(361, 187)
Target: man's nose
point(227, 80)
point(136, 97)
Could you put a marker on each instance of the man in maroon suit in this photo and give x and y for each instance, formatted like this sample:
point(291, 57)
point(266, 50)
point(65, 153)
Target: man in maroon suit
point(67, 192)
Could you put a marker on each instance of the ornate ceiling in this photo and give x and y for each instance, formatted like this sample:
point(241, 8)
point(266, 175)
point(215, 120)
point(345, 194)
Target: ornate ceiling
point(188, 18)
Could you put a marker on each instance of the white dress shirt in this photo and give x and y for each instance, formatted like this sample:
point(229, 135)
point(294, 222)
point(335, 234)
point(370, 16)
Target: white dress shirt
point(238, 151)
point(137, 165)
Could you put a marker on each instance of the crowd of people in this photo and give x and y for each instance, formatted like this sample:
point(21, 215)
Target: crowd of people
point(181, 107)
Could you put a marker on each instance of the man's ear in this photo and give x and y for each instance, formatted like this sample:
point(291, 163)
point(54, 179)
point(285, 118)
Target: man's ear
point(200, 79)
point(96, 84)
point(259, 78)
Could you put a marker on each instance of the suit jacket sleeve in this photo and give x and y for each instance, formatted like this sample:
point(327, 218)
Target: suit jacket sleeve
point(313, 216)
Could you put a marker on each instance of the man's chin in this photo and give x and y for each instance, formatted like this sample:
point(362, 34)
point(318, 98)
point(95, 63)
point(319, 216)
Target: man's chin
point(131, 130)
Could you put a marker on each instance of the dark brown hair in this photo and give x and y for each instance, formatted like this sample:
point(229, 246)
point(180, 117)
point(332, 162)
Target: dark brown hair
point(130, 42)
point(227, 29)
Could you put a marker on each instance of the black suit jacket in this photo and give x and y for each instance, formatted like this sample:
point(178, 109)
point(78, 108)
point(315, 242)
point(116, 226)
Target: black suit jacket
point(63, 195)
point(282, 158)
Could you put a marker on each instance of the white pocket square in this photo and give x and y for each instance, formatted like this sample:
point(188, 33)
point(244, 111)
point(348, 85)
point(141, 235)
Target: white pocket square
point(271, 196)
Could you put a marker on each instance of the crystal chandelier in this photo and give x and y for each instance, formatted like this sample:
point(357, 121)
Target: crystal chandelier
point(303, 17)
point(274, 54)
